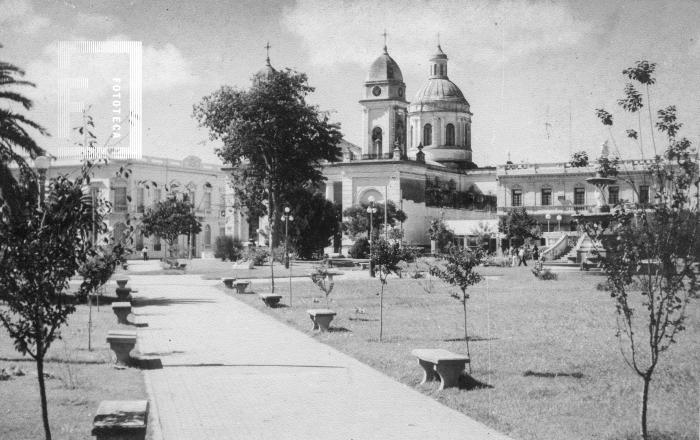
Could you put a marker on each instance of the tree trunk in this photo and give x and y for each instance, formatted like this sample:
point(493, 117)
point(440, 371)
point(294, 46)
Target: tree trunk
point(42, 393)
point(271, 214)
point(381, 312)
point(645, 399)
point(466, 334)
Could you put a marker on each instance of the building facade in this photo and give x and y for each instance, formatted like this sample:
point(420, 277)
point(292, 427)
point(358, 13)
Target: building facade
point(150, 180)
point(416, 154)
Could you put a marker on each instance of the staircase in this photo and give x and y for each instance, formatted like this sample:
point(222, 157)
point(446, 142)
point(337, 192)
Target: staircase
point(569, 260)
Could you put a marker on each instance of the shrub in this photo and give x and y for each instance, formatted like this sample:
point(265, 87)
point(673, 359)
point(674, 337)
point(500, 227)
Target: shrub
point(359, 249)
point(228, 248)
point(544, 274)
point(257, 255)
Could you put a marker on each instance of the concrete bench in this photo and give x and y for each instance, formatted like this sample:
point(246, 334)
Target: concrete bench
point(228, 282)
point(321, 318)
point(364, 266)
point(441, 363)
point(121, 420)
point(122, 310)
point(240, 286)
point(270, 299)
point(124, 294)
point(121, 342)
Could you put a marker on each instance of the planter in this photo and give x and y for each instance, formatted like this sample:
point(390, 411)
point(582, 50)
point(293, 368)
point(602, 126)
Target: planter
point(228, 282)
point(121, 282)
point(124, 294)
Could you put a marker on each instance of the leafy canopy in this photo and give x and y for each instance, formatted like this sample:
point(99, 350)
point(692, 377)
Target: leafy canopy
point(171, 218)
point(356, 223)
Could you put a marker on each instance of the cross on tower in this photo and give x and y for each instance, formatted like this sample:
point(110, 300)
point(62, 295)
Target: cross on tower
point(384, 35)
point(438, 38)
point(267, 48)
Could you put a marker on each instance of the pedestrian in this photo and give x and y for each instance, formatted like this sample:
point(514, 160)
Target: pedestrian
point(536, 253)
point(144, 251)
point(514, 257)
point(522, 256)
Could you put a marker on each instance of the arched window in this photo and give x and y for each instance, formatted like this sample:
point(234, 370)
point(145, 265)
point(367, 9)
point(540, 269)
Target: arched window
point(449, 134)
point(377, 141)
point(207, 235)
point(427, 134)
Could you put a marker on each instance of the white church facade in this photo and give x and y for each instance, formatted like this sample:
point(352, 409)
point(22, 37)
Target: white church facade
point(416, 154)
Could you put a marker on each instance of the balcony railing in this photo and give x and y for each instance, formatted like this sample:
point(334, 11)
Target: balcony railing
point(377, 156)
point(552, 209)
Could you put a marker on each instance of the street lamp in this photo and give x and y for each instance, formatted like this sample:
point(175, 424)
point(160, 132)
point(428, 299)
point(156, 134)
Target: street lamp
point(286, 218)
point(42, 164)
point(371, 210)
point(548, 217)
point(559, 222)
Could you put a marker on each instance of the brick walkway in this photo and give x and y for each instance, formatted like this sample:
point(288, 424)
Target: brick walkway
point(232, 372)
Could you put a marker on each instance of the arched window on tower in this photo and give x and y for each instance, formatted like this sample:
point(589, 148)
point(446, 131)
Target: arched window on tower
point(377, 141)
point(427, 134)
point(449, 134)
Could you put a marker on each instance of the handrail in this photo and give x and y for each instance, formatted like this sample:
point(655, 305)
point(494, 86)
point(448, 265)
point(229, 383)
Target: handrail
point(560, 246)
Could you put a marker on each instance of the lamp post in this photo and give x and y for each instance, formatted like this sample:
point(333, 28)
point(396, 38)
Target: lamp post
point(548, 217)
point(371, 210)
point(286, 218)
point(42, 164)
point(559, 222)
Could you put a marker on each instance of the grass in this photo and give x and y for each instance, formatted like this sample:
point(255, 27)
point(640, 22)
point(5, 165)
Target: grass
point(79, 380)
point(546, 351)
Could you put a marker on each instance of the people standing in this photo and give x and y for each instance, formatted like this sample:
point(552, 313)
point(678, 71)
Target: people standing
point(536, 254)
point(144, 251)
point(522, 255)
point(514, 257)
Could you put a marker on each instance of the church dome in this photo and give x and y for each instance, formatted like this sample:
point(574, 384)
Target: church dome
point(439, 89)
point(266, 72)
point(384, 68)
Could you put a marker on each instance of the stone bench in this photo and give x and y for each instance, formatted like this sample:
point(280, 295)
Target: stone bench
point(228, 282)
point(440, 363)
point(240, 286)
point(270, 299)
point(122, 310)
point(321, 318)
point(121, 342)
point(121, 420)
point(364, 266)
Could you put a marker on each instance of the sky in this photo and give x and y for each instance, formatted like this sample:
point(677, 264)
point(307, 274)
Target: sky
point(533, 71)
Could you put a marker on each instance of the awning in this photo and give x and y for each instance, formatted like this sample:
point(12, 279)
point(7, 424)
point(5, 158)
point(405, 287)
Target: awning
point(472, 227)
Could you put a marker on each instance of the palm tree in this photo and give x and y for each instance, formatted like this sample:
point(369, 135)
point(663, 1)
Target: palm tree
point(16, 143)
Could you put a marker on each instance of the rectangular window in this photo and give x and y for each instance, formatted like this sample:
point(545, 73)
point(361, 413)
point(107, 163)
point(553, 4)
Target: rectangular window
point(156, 243)
point(120, 202)
point(546, 196)
point(139, 200)
point(517, 199)
point(613, 195)
point(644, 194)
point(579, 196)
point(156, 195)
point(207, 200)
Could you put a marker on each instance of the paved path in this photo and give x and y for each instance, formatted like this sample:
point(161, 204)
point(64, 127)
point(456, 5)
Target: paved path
point(232, 372)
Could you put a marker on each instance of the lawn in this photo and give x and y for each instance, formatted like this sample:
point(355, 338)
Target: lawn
point(546, 349)
point(79, 379)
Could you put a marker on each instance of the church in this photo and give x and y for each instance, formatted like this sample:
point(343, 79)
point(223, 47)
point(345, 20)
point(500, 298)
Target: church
point(417, 154)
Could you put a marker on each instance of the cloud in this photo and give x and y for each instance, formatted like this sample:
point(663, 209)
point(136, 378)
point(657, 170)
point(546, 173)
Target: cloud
point(487, 32)
point(19, 16)
point(165, 68)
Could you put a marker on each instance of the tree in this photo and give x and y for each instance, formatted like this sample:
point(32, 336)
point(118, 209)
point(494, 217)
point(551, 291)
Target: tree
point(171, 218)
point(440, 234)
point(518, 226)
point(356, 223)
point(458, 270)
point(316, 221)
point(41, 247)
point(16, 141)
point(274, 141)
point(579, 159)
point(651, 252)
point(385, 259)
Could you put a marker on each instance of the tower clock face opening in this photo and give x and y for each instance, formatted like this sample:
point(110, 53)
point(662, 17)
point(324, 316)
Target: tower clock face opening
point(376, 91)
point(401, 92)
